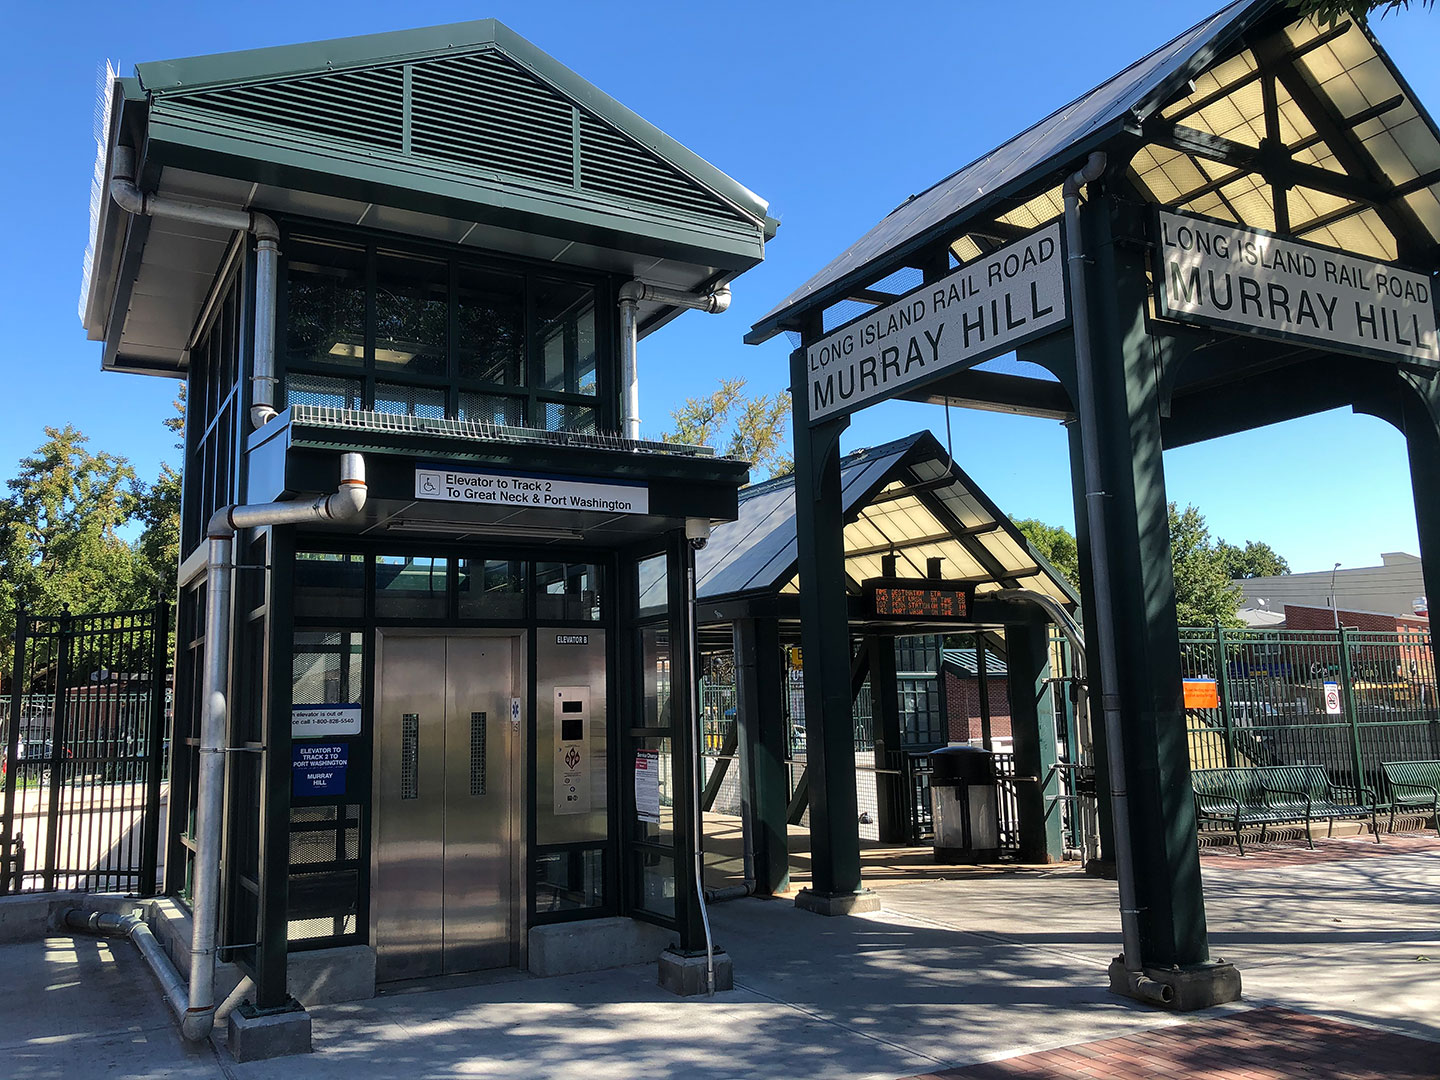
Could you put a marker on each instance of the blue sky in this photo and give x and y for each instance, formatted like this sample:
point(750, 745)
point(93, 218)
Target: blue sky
point(833, 112)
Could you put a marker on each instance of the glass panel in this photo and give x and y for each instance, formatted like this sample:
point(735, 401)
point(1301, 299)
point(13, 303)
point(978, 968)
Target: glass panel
point(490, 318)
point(325, 292)
point(324, 390)
point(491, 589)
point(567, 592)
point(411, 314)
point(327, 668)
point(662, 832)
point(655, 882)
point(331, 586)
point(558, 416)
point(569, 880)
point(492, 408)
point(410, 587)
point(655, 675)
point(565, 326)
point(423, 401)
point(652, 585)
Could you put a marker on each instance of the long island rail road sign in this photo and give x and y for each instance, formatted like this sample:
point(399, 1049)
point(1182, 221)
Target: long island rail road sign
point(1220, 274)
point(986, 308)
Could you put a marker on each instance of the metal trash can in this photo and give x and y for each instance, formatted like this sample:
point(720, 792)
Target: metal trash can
point(965, 805)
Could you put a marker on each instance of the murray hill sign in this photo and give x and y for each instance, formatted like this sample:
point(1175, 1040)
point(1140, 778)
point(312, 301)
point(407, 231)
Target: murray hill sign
point(984, 309)
point(1220, 274)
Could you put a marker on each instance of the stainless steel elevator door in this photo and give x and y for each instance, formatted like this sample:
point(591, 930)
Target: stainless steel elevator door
point(444, 816)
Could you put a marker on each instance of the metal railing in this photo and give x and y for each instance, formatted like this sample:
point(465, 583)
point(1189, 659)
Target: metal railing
point(1345, 699)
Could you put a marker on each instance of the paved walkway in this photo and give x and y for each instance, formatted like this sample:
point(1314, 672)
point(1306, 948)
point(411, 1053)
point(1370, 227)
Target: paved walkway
point(1001, 974)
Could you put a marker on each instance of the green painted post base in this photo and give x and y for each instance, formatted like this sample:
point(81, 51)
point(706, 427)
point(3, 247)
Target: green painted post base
point(839, 904)
point(1178, 989)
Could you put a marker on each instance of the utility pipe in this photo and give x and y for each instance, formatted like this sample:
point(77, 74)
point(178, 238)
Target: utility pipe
point(697, 533)
point(345, 502)
point(107, 924)
point(128, 196)
point(632, 295)
point(1104, 637)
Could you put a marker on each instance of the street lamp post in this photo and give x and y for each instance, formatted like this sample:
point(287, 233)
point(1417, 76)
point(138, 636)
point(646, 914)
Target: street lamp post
point(1334, 604)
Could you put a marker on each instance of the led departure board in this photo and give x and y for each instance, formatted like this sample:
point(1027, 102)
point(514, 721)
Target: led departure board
point(920, 600)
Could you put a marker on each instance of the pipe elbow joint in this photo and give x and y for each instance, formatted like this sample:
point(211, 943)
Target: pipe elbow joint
point(197, 1024)
point(264, 228)
point(221, 525)
point(632, 292)
point(1092, 170)
point(719, 300)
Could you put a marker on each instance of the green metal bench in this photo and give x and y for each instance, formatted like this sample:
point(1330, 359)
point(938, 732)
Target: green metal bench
point(1413, 785)
point(1277, 795)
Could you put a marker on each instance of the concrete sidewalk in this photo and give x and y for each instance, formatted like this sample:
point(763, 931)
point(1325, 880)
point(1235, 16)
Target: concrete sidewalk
point(950, 974)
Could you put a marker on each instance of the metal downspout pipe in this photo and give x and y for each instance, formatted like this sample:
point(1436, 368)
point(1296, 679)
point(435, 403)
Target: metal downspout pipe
point(1104, 637)
point(345, 502)
point(267, 265)
point(632, 295)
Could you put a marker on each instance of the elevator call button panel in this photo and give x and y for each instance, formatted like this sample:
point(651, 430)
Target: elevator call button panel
point(572, 751)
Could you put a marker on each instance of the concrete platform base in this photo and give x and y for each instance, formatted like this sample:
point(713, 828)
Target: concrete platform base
point(1192, 988)
point(840, 904)
point(594, 945)
point(253, 1036)
point(686, 975)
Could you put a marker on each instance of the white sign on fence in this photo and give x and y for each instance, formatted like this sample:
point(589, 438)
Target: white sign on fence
point(1332, 699)
point(985, 308)
point(447, 483)
point(1227, 275)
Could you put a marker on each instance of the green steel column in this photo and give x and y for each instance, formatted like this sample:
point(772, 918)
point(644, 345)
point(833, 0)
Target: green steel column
point(1127, 384)
point(685, 750)
point(760, 694)
point(272, 961)
point(1222, 677)
point(885, 720)
point(825, 643)
point(1032, 729)
point(1352, 713)
point(1422, 439)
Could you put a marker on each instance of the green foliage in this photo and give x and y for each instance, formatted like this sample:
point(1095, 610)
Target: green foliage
point(1055, 545)
point(1255, 559)
point(1330, 12)
point(1202, 570)
point(750, 428)
point(1203, 592)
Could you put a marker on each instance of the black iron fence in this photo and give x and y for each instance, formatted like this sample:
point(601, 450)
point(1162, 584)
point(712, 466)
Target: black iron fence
point(83, 730)
point(1345, 699)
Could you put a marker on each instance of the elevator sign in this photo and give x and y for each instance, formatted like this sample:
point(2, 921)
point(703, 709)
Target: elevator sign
point(980, 311)
point(1220, 274)
point(446, 483)
point(319, 768)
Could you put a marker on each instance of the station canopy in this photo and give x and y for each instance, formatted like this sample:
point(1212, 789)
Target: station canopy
point(1251, 116)
point(906, 498)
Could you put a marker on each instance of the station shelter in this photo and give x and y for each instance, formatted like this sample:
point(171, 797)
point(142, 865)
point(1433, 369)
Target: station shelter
point(429, 570)
point(927, 553)
point(1240, 228)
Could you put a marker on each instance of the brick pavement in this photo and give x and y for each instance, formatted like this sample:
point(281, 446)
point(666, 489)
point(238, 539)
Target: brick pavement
point(1294, 854)
point(1259, 1044)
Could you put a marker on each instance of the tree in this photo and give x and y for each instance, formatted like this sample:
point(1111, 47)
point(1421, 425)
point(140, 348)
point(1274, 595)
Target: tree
point(158, 508)
point(1330, 12)
point(1055, 545)
point(1203, 591)
point(750, 428)
point(59, 534)
point(1255, 559)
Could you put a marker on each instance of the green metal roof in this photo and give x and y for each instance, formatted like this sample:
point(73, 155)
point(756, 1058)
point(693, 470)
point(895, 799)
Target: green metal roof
point(469, 113)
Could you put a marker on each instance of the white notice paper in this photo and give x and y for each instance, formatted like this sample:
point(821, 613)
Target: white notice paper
point(647, 786)
point(323, 721)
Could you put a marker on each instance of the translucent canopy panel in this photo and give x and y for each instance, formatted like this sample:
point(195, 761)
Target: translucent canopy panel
point(1307, 130)
point(906, 499)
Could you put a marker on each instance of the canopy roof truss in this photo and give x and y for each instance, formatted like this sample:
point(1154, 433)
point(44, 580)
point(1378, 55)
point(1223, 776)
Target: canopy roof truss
point(1290, 126)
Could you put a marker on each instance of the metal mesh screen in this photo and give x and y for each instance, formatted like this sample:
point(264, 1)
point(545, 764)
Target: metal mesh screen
point(410, 756)
point(477, 753)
